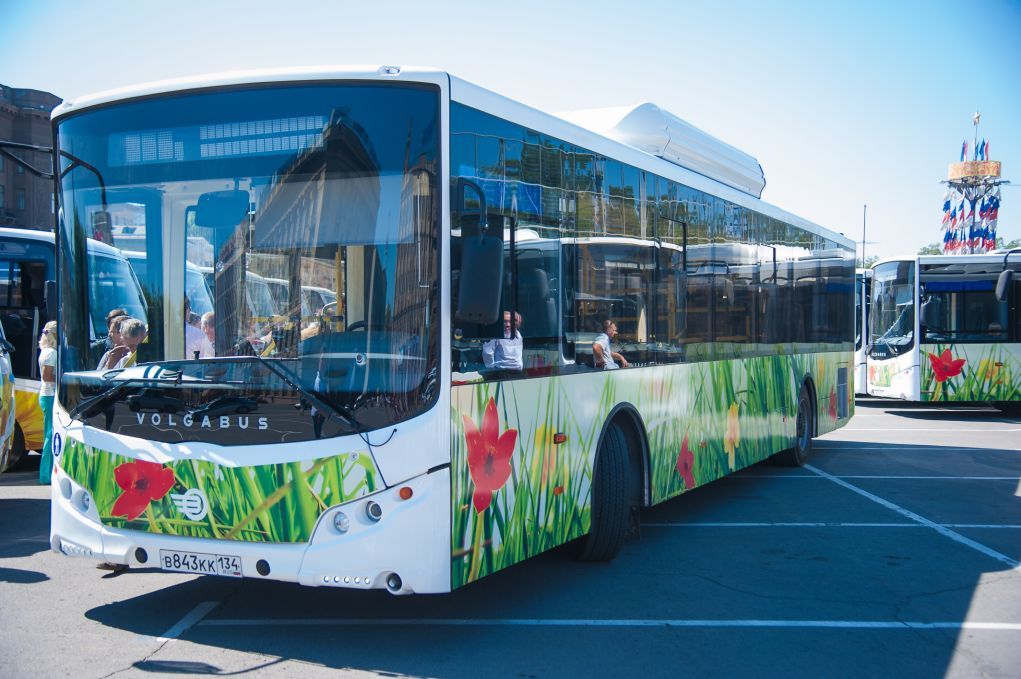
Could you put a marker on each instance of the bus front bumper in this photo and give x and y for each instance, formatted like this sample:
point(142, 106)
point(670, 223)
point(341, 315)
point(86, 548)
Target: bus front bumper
point(405, 550)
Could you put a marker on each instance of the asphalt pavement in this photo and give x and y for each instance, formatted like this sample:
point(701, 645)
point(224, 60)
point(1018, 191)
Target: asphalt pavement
point(894, 552)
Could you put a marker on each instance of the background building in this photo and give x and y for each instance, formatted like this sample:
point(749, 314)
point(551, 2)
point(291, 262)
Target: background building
point(26, 200)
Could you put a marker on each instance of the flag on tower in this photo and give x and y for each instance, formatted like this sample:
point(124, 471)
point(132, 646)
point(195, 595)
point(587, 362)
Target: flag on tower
point(964, 151)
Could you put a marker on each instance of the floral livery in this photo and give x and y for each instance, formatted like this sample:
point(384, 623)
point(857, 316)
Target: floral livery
point(267, 503)
point(516, 493)
point(971, 372)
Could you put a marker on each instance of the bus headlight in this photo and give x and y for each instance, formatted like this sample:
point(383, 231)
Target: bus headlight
point(373, 511)
point(341, 522)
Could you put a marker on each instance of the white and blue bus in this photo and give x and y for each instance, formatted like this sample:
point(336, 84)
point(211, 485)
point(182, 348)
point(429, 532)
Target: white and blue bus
point(388, 448)
point(947, 328)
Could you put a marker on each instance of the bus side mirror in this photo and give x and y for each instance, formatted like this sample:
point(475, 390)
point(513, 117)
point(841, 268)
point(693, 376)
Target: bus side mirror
point(50, 299)
point(1003, 284)
point(481, 277)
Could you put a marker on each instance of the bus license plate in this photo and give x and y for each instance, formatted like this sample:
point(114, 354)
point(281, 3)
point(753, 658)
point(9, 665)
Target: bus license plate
point(205, 564)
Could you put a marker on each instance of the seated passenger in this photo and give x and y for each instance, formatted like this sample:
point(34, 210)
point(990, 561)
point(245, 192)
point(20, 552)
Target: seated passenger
point(114, 339)
point(603, 356)
point(132, 333)
point(505, 354)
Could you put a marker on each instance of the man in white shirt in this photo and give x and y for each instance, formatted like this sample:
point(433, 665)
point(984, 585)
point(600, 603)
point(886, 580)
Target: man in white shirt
point(505, 354)
point(602, 355)
point(194, 339)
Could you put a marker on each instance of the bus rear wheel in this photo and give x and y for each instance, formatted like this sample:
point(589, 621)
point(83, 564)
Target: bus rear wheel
point(797, 455)
point(610, 504)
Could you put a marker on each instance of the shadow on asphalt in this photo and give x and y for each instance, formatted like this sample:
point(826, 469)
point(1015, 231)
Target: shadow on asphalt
point(24, 527)
point(950, 412)
point(701, 574)
point(21, 577)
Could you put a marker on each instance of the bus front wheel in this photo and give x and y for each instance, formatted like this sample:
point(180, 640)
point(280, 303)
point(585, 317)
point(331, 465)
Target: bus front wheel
point(797, 455)
point(610, 510)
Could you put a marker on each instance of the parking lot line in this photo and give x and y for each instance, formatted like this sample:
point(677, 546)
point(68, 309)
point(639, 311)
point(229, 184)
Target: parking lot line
point(194, 616)
point(880, 476)
point(816, 524)
point(539, 622)
point(957, 537)
point(930, 430)
point(897, 448)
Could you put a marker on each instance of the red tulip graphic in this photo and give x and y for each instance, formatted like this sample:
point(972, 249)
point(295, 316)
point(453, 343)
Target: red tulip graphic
point(685, 464)
point(945, 365)
point(142, 482)
point(489, 454)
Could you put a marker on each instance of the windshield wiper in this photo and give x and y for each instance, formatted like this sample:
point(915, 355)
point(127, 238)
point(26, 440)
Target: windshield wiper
point(91, 406)
point(340, 412)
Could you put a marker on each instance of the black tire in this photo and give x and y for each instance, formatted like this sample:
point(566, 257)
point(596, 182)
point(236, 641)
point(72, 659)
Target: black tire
point(610, 510)
point(17, 449)
point(797, 455)
point(1010, 408)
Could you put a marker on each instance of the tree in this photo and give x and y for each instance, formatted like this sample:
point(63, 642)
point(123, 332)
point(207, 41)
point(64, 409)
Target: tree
point(931, 249)
point(1001, 245)
point(869, 261)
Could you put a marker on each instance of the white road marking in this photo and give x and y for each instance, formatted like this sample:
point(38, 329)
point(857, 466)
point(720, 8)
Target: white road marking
point(897, 448)
point(879, 476)
point(537, 622)
point(969, 430)
point(956, 537)
point(820, 524)
point(184, 624)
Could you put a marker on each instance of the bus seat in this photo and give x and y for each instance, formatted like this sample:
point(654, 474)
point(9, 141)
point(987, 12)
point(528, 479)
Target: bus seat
point(537, 306)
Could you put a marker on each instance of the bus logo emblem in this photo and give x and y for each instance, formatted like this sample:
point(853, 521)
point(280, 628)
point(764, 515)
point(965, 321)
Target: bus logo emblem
point(192, 504)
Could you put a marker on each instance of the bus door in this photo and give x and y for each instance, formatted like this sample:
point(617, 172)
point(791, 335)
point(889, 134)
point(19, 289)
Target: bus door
point(25, 266)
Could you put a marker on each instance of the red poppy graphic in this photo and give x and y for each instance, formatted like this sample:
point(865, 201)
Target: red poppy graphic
point(945, 365)
point(685, 465)
point(833, 404)
point(142, 482)
point(489, 454)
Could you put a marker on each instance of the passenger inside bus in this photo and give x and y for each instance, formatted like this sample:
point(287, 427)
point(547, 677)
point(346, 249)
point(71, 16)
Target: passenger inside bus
point(505, 353)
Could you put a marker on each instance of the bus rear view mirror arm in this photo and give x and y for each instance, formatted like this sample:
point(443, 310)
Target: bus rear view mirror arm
point(1006, 277)
point(481, 281)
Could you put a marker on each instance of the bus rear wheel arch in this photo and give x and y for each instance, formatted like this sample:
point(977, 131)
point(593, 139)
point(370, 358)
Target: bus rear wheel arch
point(804, 429)
point(619, 486)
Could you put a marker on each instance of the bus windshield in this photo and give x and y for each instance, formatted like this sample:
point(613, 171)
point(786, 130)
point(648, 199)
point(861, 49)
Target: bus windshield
point(328, 187)
point(892, 319)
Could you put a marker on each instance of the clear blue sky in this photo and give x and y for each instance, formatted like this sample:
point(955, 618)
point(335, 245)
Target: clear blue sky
point(843, 104)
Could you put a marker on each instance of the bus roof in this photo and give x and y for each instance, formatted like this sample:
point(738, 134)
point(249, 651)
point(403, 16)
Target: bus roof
point(480, 98)
point(95, 246)
point(988, 258)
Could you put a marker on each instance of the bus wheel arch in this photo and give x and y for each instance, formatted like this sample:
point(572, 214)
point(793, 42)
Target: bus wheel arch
point(806, 426)
point(627, 417)
point(809, 384)
point(619, 484)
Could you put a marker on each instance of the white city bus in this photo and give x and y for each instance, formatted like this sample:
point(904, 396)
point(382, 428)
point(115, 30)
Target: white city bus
point(862, 304)
point(389, 447)
point(963, 344)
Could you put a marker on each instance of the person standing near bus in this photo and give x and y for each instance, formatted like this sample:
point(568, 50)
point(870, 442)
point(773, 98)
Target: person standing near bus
point(47, 391)
point(603, 356)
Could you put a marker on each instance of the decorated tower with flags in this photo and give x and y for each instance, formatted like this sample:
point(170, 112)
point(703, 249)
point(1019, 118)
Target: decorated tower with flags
point(971, 203)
